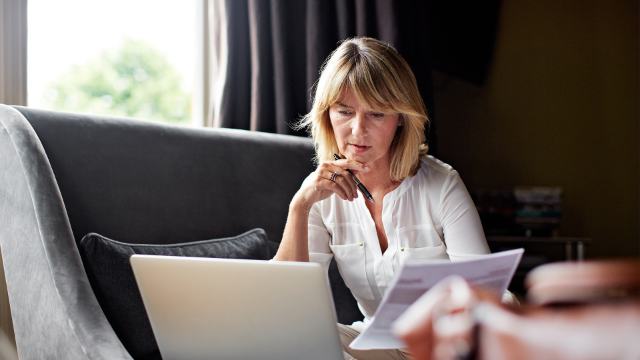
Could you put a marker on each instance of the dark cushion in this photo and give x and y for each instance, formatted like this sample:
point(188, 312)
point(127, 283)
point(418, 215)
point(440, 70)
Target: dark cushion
point(107, 264)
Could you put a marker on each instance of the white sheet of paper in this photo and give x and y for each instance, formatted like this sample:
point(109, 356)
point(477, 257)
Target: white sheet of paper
point(492, 272)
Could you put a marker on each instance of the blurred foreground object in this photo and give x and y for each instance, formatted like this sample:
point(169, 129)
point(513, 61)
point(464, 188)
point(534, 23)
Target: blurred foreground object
point(584, 282)
point(587, 310)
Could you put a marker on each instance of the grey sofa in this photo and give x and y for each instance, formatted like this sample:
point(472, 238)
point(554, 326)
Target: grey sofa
point(64, 175)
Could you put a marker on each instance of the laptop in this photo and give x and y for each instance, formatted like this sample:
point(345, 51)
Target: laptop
point(205, 308)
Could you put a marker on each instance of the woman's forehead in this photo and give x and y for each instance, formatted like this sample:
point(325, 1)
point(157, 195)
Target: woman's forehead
point(348, 97)
point(352, 98)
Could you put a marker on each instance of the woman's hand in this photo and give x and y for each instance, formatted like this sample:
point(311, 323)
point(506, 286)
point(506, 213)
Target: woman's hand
point(330, 177)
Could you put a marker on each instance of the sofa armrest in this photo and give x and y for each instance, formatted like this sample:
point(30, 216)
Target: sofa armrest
point(55, 313)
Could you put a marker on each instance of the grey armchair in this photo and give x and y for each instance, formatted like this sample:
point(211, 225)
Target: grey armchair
point(64, 175)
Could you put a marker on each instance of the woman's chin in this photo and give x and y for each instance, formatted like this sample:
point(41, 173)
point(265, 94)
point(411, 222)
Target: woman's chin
point(357, 157)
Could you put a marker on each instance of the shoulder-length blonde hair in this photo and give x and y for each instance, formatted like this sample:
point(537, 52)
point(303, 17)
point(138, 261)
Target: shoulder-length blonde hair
point(380, 77)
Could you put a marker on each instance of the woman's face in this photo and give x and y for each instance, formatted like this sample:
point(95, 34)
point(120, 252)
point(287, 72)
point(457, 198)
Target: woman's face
point(363, 134)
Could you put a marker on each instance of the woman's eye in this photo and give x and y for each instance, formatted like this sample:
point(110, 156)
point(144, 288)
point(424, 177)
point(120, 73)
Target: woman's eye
point(377, 115)
point(344, 112)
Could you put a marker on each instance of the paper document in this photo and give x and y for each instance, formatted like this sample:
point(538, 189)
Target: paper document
point(492, 272)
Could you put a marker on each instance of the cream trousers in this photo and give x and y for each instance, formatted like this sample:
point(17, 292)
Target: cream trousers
point(347, 334)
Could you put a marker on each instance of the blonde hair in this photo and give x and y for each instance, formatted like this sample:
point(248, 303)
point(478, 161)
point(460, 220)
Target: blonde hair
point(380, 77)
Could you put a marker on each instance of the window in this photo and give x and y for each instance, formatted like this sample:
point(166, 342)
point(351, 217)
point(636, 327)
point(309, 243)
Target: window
point(118, 57)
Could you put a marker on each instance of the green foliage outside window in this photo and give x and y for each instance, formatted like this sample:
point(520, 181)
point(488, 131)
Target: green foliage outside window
point(134, 80)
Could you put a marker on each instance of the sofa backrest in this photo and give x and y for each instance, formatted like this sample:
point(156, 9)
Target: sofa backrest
point(53, 308)
point(143, 182)
point(65, 175)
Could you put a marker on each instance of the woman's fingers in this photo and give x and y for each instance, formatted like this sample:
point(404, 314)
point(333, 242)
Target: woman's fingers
point(344, 173)
point(337, 177)
point(339, 188)
point(351, 165)
point(349, 168)
point(324, 187)
point(337, 180)
point(342, 180)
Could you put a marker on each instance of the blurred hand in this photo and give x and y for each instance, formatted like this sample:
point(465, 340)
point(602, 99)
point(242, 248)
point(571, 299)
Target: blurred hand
point(440, 324)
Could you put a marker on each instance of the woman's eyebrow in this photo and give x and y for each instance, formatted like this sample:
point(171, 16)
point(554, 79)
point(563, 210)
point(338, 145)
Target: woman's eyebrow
point(342, 104)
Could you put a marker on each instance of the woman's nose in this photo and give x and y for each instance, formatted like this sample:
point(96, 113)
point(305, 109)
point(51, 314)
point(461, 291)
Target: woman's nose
point(358, 125)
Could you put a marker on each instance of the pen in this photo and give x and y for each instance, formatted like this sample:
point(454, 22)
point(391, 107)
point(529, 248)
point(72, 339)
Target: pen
point(360, 185)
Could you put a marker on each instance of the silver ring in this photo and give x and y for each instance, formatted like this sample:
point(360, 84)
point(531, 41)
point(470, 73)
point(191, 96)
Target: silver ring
point(333, 176)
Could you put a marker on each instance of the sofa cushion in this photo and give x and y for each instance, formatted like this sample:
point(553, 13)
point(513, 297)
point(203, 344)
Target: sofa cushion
point(107, 264)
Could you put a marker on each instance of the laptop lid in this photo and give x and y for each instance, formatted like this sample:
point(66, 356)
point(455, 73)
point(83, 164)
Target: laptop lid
point(203, 308)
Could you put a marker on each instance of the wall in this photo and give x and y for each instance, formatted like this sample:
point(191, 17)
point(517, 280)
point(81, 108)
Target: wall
point(560, 107)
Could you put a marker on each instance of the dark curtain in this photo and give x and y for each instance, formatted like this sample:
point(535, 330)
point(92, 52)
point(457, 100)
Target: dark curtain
point(463, 34)
point(275, 49)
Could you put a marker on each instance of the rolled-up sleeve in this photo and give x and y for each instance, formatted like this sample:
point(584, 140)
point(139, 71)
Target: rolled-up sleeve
point(319, 238)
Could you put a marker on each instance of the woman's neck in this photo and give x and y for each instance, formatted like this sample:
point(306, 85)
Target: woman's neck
point(378, 178)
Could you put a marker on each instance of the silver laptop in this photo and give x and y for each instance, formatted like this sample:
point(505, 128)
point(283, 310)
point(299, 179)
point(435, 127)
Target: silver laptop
point(204, 308)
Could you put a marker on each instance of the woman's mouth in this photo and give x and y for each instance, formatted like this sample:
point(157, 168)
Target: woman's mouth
point(357, 148)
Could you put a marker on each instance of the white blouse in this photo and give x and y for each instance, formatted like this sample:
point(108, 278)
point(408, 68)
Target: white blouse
point(428, 216)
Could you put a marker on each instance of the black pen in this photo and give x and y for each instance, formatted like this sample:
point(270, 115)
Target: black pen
point(360, 185)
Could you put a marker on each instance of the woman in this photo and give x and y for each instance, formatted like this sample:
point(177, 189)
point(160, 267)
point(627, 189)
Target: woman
point(367, 108)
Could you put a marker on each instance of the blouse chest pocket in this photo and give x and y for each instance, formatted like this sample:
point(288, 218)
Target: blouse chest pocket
point(351, 261)
point(421, 242)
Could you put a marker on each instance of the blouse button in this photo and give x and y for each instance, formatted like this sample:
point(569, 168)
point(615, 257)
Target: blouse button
point(361, 243)
point(402, 248)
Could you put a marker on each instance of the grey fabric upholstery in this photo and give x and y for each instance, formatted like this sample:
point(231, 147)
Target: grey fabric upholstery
point(64, 175)
point(54, 311)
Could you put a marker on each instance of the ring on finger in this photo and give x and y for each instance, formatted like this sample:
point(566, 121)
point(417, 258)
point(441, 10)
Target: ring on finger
point(333, 176)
